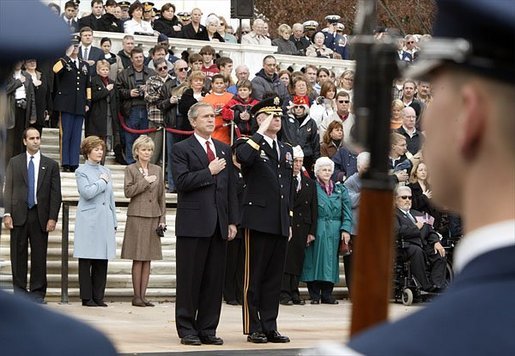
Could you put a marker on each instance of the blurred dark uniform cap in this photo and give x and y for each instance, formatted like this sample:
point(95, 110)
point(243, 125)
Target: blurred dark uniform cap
point(43, 36)
point(476, 35)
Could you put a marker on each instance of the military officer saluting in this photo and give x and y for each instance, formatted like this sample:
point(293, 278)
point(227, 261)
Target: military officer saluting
point(72, 101)
point(267, 168)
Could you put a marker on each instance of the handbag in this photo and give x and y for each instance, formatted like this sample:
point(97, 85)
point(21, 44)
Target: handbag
point(345, 249)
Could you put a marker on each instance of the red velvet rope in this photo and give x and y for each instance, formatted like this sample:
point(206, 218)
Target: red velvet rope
point(174, 131)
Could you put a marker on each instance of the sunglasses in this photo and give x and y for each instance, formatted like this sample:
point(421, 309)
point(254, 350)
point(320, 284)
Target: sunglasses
point(404, 197)
point(343, 101)
point(184, 69)
point(410, 42)
point(222, 24)
point(244, 32)
point(162, 68)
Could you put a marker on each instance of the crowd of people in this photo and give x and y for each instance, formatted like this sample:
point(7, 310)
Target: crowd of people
point(214, 116)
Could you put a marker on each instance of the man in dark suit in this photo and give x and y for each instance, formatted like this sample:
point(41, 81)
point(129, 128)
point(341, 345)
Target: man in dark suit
point(88, 52)
point(206, 218)
point(420, 242)
point(32, 203)
point(267, 168)
point(92, 20)
point(27, 328)
point(305, 212)
point(70, 11)
point(469, 126)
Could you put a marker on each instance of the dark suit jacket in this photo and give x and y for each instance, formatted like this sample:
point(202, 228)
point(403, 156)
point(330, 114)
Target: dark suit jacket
point(406, 230)
point(48, 190)
point(204, 201)
point(268, 197)
point(95, 54)
point(477, 309)
point(189, 32)
point(89, 21)
point(10, 89)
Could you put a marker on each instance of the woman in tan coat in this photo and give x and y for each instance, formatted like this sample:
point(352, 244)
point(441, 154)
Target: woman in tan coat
point(146, 212)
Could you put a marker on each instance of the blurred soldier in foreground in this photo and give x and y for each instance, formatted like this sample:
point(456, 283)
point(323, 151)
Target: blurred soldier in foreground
point(26, 328)
point(469, 127)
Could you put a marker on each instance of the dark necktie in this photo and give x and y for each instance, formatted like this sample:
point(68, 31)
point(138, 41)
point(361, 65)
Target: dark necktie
point(296, 182)
point(274, 147)
point(209, 151)
point(31, 201)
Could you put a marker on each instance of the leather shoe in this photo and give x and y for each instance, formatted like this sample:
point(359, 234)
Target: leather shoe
point(100, 303)
point(274, 336)
point(89, 303)
point(286, 302)
point(299, 301)
point(232, 302)
point(315, 301)
point(191, 340)
point(211, 340)
point(257, 338)
point(330, 301)
point(137, 302)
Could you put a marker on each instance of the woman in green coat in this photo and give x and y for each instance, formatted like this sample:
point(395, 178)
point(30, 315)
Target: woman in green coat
point(321, 268)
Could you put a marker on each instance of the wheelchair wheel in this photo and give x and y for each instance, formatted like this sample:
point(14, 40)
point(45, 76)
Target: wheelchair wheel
point(449, 273)
point(407, 296)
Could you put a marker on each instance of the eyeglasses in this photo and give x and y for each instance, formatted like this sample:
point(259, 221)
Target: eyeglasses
point(343, 101)
point(162, 68)
point(404, 197)
point(184, 69)
point(349, 79)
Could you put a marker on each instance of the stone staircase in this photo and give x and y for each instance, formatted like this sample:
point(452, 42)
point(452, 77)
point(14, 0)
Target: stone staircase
point(119, 280)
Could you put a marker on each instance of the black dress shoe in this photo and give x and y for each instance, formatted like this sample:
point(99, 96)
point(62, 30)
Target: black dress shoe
point(330, 301)
point(89, 303)
point(274, 336)
point(232, 302)
point(257, 338)
point(191, 340)
point(286, 302)
point(211, 340)
point(315, 301)
point(299, 301)
point(100, 303)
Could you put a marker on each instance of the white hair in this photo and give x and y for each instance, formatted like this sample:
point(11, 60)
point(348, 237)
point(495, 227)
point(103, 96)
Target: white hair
point(401, 188)
point(212, 19)
point(323, 162)
point(363, 159)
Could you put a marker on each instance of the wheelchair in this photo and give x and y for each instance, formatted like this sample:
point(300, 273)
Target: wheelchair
point(406, 288)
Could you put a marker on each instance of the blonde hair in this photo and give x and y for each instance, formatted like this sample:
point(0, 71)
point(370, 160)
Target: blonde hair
point(102, 63)
point(141, 142)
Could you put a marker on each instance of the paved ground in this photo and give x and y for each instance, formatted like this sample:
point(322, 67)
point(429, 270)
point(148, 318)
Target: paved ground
point(151, 331)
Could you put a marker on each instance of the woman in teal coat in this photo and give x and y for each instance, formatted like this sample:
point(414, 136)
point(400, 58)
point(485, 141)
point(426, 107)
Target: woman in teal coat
point(334, 223)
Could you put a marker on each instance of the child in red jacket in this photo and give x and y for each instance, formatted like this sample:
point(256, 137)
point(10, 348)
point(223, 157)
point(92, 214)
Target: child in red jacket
point(238, 110)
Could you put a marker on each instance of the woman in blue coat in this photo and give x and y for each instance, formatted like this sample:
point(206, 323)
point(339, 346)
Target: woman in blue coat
point(95, 224)
point(334, 223)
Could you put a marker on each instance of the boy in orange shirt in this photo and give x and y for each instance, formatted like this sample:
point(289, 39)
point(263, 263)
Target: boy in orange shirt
point(218, 98)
